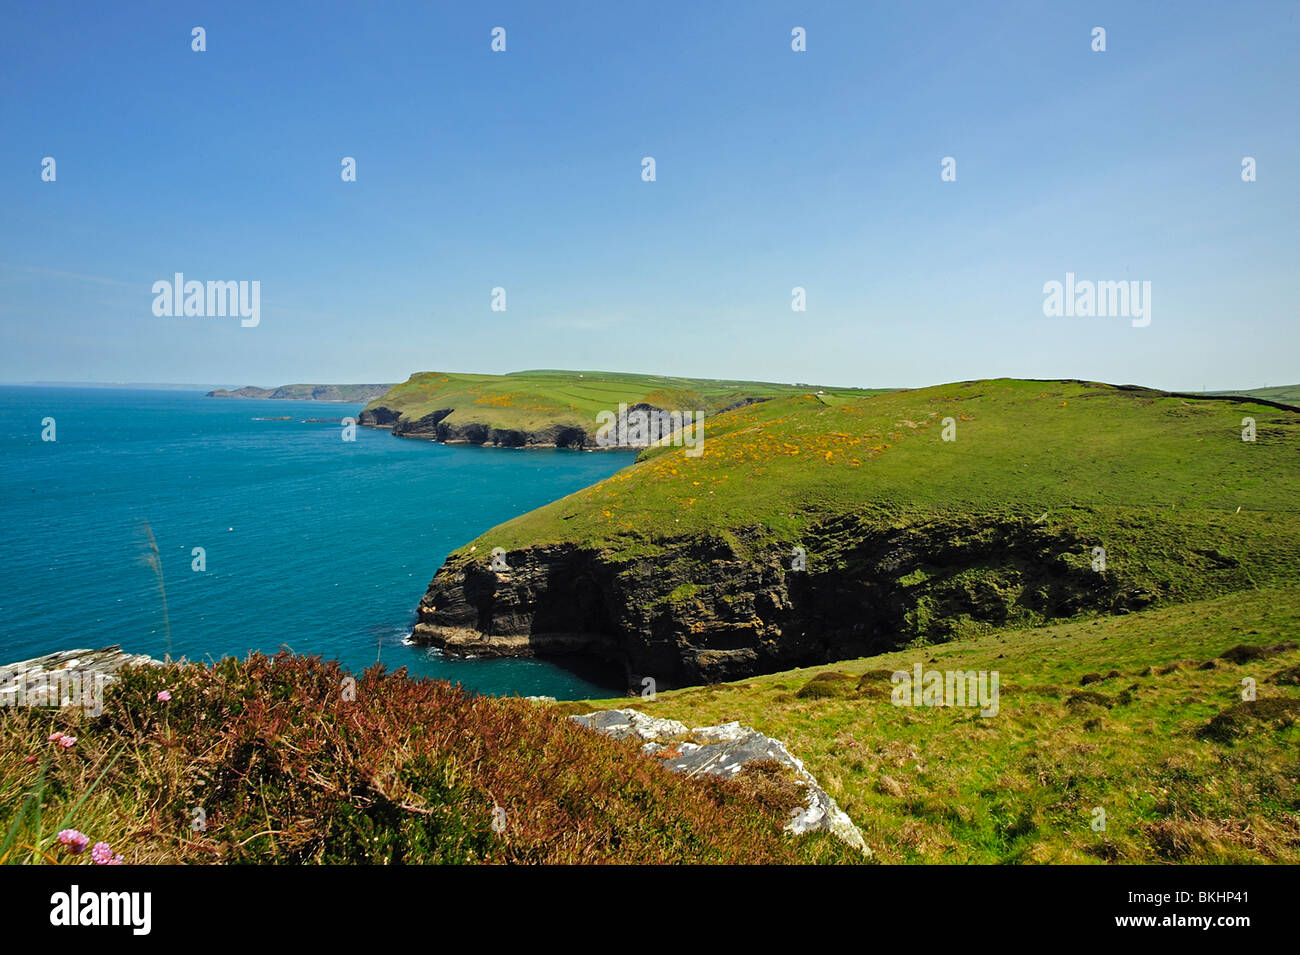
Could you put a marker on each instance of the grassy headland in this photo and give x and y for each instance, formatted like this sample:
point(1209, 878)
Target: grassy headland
point(543, 408)
point(1053, 499)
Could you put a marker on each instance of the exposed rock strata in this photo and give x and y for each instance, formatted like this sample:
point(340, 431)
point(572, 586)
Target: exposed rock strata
point(435, 427)
point(712, 609)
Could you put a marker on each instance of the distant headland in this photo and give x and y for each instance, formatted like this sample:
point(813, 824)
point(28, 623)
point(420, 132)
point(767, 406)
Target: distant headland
point(346, 393)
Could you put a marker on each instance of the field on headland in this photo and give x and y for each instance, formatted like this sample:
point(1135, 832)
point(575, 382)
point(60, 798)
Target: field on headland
point(1015, 444)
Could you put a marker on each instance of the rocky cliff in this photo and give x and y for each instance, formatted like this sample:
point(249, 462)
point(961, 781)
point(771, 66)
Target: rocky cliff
point(703, 610)
point(449, 426)
point(466, 430)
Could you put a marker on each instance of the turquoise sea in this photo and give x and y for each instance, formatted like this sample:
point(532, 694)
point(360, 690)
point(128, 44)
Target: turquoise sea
point(311, 542)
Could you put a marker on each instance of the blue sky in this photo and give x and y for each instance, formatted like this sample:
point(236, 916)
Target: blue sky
point(775, 169)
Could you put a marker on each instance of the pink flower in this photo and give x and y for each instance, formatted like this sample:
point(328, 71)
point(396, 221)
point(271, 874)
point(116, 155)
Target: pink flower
point(102, 854)
point(55, 737)
point(74, 840)
point(164, 696)
point(67, 742)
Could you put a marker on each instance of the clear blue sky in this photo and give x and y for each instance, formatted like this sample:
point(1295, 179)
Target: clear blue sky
point(775, 169)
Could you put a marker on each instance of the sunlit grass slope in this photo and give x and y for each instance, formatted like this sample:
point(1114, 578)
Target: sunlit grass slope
point(1182, 505)
point(1140, 716)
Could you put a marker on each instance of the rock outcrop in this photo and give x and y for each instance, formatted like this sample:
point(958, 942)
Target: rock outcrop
point(447, 426)
point(66, 678)
point(435, 427)
point(724, 751)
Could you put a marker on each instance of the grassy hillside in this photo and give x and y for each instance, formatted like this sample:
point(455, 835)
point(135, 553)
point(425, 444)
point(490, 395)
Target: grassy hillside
point(1140, 715)
point(1054, 499)
point(279, 760)
point(532, 401)
point(1055, 447)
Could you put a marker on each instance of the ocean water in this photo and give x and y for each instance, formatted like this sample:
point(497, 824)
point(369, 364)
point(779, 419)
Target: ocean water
point(312, 543)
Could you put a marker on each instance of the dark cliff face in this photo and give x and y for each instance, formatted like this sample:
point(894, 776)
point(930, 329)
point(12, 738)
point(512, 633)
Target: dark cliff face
point(702, 612)
point(434, 428)
point(378, 417)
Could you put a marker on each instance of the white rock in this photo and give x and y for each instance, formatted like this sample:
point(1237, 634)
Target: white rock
point(724, 751)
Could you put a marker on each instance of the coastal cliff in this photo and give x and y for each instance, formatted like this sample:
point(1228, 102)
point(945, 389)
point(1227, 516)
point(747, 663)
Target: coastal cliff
point(467, 430)
point(710, 609)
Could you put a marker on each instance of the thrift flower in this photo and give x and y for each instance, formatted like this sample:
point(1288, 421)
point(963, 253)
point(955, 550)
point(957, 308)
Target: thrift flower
point(74, 840)
point(55, 737)
point(102, 853)
point(67, 742)
point(164, 696)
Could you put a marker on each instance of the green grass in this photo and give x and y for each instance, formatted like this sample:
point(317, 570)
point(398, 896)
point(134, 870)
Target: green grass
point(1020, 445)
point(534, 400)
point(1184, 508)
point(945, 785)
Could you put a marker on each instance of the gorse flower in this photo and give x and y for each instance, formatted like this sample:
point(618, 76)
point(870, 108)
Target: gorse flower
point(74, 840)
